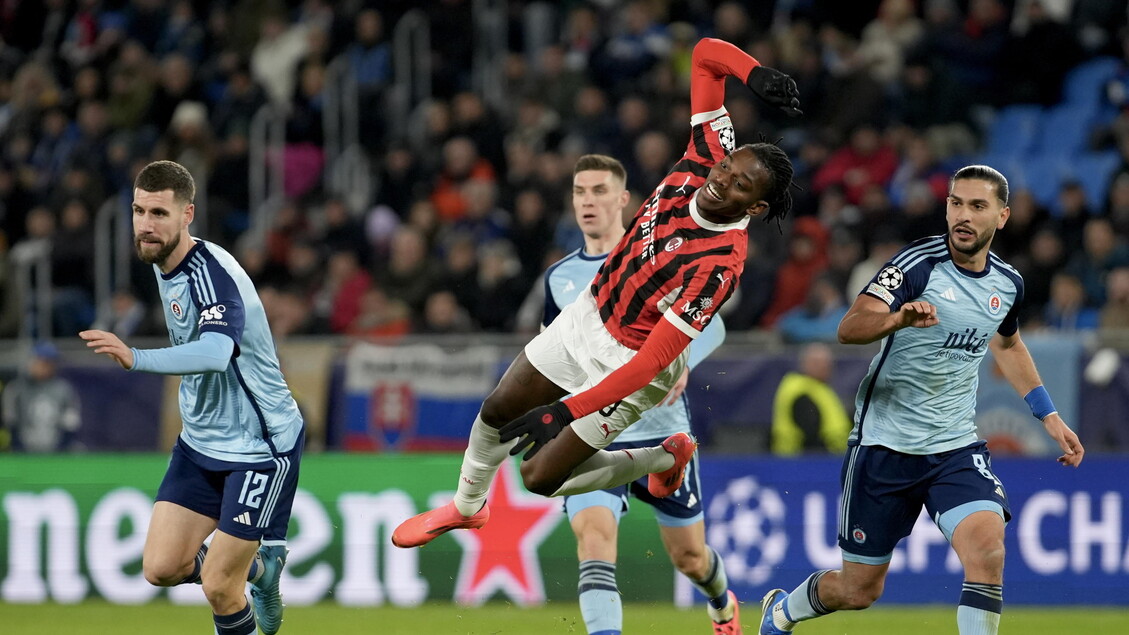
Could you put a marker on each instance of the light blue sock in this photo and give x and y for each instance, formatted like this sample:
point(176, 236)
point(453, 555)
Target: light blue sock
point(980, 608)
point(715, 585)
point(803, 603)
point(599, 598)
point(241, 622)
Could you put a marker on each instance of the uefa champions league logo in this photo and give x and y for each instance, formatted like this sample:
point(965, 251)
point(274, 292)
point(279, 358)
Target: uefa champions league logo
point(746, 526)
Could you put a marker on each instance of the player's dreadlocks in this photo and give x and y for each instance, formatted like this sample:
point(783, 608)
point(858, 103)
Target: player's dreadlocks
point(779, 196)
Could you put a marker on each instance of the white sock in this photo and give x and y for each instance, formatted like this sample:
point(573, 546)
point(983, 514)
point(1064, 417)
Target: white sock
point(484, 453)
point(608, 469)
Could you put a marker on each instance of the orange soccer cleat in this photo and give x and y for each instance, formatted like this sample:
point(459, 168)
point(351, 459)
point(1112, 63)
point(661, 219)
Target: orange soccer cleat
point(423, 528)
point(733, 626)
point(665, 483)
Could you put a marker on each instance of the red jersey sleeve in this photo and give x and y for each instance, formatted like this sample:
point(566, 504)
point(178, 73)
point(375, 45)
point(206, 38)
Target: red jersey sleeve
point(711, 136)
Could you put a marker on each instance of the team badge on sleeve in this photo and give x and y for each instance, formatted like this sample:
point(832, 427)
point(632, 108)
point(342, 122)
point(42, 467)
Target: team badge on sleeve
point(891, 277)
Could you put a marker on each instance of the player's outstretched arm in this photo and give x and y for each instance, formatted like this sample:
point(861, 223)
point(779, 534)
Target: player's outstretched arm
point(870, 319)
point(713, 60)
point(106, 343)
point(1018, 367)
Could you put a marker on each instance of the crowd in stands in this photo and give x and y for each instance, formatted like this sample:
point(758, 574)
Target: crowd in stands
point(470, 198)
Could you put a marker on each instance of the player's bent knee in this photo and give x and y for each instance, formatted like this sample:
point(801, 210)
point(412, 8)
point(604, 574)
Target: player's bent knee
point(163, 573)
point(538, 480)
point(224, 596)
point(691, 562)
point(496, 412)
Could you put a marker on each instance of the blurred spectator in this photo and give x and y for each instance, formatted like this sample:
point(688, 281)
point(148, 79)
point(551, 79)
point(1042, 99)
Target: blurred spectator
point(1115, 313)
point(340, 231)
point(126, 316)
point(483, 220)
point(886, 39)
point(817, 319)
point(339, 299)
point(919, 164)
point(501, 286)
point(410, 274)
point(370, 61)
point(380, 315)
point(973, 48)
point(532, 230)
point(443, 315)
point(72, 277)
point(1117, 204)
point(1027, 216)
point(131, 86)
point(867, 160)
point(636, 44)
point(844, 252)
point(1067, 310)
point(276, 56)
point(1071, 214)
point(1034, 70)
point(176, 83)
point(461, 163)
point(807, 257)
point(398, 180)
point(1047, 255)
point(41, 410)
point(460, 269)
point(1102, 252)
point(807, 414)
point(182, 33)
point(473, 119)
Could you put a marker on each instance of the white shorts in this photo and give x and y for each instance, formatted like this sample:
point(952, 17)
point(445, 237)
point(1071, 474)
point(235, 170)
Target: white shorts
point(576, 352)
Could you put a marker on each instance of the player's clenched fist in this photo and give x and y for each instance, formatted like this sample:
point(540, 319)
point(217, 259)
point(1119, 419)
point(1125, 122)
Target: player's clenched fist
point(918, 315)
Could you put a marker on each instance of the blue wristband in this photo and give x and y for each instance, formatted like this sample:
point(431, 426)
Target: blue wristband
point(1040, 402)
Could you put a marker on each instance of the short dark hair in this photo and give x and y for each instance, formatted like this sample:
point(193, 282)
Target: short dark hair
point(983, 173)
point(167, 175)
point(776, 161)
point(603, 163)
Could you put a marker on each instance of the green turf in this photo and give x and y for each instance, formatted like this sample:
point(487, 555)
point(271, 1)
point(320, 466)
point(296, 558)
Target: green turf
point(97, 618)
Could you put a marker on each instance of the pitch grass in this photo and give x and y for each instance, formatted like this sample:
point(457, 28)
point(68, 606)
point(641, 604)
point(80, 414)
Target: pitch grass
point(98, 618)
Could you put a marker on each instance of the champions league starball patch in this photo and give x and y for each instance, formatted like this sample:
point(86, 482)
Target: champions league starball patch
point(891, 277)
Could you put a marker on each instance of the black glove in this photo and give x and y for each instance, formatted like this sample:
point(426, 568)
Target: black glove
point(776, 88)
point(536, 427)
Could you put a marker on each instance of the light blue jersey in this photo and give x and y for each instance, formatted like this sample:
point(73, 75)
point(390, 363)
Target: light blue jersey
point(565, 280)
point(244, 413)
point(919, 395)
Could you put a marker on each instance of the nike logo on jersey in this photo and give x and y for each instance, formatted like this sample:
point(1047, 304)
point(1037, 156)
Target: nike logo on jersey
point(949, 295)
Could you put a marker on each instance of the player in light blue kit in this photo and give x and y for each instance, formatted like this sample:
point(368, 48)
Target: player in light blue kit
point(599, 199)
point(939, 305)
point(235, 465)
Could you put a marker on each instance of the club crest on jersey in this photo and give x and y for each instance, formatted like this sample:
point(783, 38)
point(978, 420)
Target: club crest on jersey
point(995, 302)
point(858, 535)
point(673, 243)
point(176, 309)
point(891, 277)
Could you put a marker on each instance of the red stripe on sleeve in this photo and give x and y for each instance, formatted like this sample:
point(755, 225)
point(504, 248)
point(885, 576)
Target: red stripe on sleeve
point(662, 347)
point(712, 61)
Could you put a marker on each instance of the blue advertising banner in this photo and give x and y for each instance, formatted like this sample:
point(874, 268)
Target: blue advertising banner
point(774, 520)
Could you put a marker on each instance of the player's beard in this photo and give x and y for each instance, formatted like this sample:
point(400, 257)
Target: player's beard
point(161, 255)
point(982, 241)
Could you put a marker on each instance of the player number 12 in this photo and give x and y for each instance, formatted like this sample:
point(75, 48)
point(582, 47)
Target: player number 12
point(252, 492)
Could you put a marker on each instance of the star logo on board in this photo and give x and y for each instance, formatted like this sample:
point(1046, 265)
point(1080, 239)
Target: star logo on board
point(502, 555)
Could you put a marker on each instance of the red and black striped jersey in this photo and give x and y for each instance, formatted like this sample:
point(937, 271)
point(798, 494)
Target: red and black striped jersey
point(672, 260)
